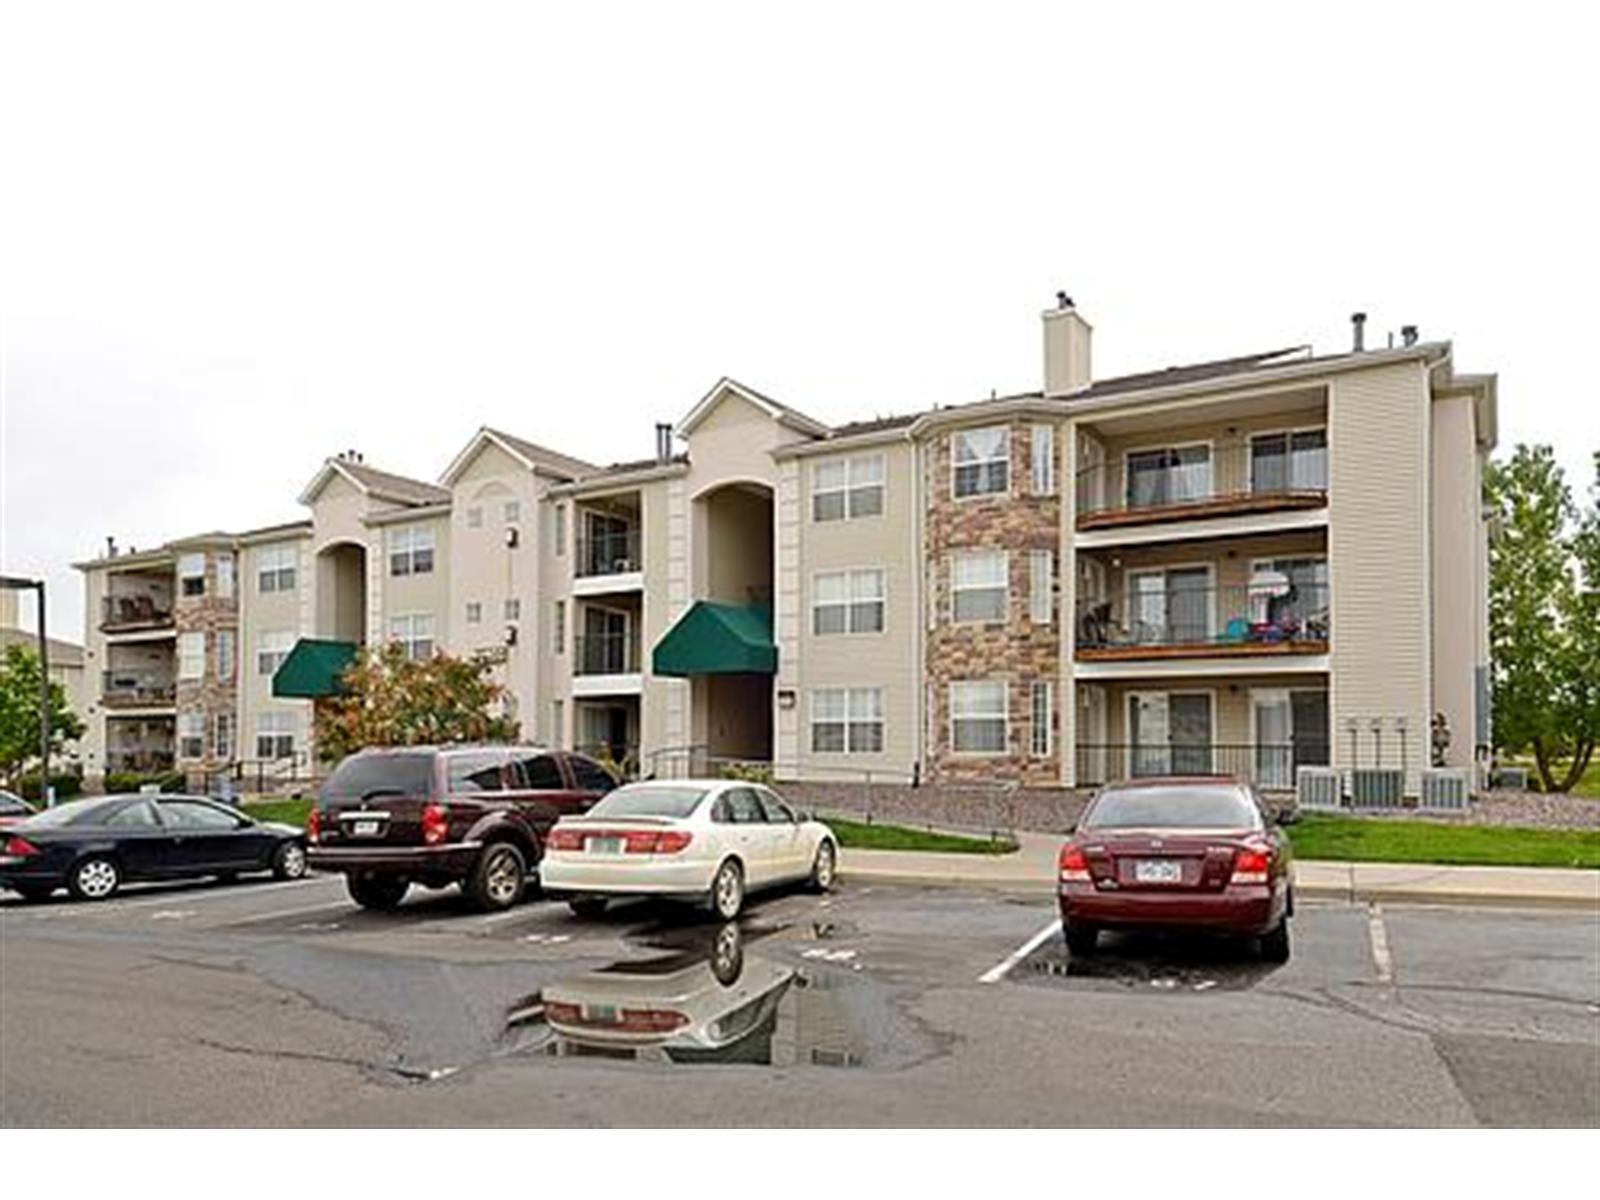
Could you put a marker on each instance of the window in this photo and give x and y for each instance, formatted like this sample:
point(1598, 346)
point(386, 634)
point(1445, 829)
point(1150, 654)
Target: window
point(847, 602)
point(1170, 733)
point(475, 517)
point(541, 773)
point(225, 576)
point(226, 638)
point(414, 631)
point(513, 511)
point(847, 487)
point(194, 814)
point(558, 520)
point(192, 575)
point(978, 717)
point(1168, 475)
point(1041, 586)
point(778, 813)
point(743, 807)
point(981, 461)
point(191, 735)
point(271, 649)
point(558, 628)
point(513, 609)
point(1040, 732)
point(275, 735)
point(1296, 461)
point(474, 612)
point(590, 776)
point(1171, 607)
point(410, 551)
point(224, 738)
point(275, 566)
point(477, 772)
point(847, 721)
point(191, 655)
point(1290, 594)
point(1044, 460)
point(140, 815)
point(978, 586)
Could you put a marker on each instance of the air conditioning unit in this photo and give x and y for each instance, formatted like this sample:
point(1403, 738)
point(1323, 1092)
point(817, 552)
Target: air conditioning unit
point(1319, 787)
point(1445, 789)
point(1377, 787)
point(1513, 779)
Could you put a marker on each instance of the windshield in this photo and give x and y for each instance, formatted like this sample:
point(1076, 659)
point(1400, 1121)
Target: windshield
point(636, 800)
point(1180, 806)
point(363, 775)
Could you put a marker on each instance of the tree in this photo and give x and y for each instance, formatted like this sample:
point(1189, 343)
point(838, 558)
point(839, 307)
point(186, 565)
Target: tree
point(1542, 628)
point(19, 712)
point(391, 700)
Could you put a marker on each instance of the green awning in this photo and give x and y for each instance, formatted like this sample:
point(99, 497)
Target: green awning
point(313, 669)
point(718, 639)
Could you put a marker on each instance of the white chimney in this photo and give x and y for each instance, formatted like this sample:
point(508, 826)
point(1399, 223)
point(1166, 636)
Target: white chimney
point(1067, 337)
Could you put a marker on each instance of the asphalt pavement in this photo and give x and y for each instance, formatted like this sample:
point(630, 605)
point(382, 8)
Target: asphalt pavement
point(880, 1005)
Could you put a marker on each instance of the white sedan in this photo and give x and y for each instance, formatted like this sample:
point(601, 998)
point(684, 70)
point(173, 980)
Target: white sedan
point(699, 839)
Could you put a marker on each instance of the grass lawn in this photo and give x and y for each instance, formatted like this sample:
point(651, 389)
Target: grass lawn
point(1316, 836)
point(290, 812)
point(1588, 784)
point(854, 835)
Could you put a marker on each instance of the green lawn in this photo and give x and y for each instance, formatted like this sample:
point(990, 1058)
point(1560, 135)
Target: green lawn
point(853, 835)
point(1588, 784)
point(290, 812)
point(1357, 839)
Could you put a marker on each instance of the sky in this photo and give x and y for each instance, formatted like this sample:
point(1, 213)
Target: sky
point(235, 239)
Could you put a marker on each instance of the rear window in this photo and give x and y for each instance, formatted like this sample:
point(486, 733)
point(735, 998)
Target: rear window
point(74, 812)
point(11, 805)
point(634, 801)
point(363, 775)
point(1177, 807)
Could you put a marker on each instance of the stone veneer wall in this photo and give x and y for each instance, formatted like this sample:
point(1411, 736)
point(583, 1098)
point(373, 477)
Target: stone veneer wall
point(1017, 650)
point(210, 694)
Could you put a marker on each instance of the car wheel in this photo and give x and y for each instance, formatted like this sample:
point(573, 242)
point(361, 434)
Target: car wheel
point(1275, 943)
point(95, 878)
point(498, 877)
point(289, 862)
point(727, 954)
point(1082, 940)
point(824, 868)
point(381, 893)
point(727, 890)
point(587, 907)
point(33, 893)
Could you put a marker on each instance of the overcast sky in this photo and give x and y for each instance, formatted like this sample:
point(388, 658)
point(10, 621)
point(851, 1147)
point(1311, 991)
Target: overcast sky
point(231, 245)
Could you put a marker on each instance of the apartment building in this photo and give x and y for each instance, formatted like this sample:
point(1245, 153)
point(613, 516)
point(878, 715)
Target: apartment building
point(1253, 565)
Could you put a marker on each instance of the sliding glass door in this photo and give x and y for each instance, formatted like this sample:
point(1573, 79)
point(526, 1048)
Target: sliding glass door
point(1169, 733)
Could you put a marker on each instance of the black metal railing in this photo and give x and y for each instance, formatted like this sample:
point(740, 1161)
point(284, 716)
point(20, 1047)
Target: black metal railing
point(615, 553)
point(139, 759)
point(124, 689)
point(605, 654)
point(135, 611)
point(1277, 468)
point(1269, 765)
point(1271, 609)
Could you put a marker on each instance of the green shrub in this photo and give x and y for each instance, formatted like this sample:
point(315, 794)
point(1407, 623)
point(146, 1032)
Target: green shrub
point(132, 781)
point(747, 772)
point(67, 784)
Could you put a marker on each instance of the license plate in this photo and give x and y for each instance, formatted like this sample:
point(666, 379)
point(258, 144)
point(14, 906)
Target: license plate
point(605, 845)
point(364, 829)
point(1158, 870)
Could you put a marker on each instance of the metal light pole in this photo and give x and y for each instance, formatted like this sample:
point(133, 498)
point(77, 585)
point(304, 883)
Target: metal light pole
point(13, 583)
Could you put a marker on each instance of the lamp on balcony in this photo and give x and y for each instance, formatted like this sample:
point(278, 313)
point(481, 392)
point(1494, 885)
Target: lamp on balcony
point(13, 583)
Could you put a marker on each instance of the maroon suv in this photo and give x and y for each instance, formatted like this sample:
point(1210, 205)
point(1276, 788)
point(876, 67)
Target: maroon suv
point(473, 815)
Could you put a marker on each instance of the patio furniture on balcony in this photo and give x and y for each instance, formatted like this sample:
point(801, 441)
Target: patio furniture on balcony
point(136, 611)
point(1166, 617)
point(615, 552)
point(137, 687)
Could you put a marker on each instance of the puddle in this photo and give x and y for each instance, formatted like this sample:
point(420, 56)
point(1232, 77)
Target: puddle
point(710, 999)
point(1153, 963)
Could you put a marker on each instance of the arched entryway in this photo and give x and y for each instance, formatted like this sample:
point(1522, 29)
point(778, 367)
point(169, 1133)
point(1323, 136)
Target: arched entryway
point(342, 592)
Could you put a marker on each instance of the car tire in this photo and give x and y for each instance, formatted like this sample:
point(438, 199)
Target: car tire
point(1082, 940)
point(498, 877)
point(587, 907)
point(727, 890)
point(381, 893)
point(825, 868)
point(95, 878)
point(1274, 944)
point(289, 861)
point(727, 954)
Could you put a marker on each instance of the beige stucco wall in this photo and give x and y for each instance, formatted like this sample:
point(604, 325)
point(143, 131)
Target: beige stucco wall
point(270, 612)
point(416, 594)
point(1459, 584)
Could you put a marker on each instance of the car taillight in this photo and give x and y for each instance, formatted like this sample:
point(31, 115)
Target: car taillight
point(1252, 863)
point(314, 825)
point(650, 842)
point(1074, 866)
point(435, 824)
point(564, 839)
point(17, 847)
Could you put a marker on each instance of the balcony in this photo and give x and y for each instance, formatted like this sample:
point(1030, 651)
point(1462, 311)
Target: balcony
point(137, 689)
point(1272, 766)
point(607, 560)
point(134, 612)
point(1273, 616)
point(1266, 473)
point(605, 654)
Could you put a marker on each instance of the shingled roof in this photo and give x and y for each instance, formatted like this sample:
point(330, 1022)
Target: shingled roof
point(391, 486)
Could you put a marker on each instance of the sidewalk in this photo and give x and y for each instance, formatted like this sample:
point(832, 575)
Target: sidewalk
point(1032, 869)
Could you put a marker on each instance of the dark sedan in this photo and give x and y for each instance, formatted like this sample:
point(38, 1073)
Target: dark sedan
point(1177, 854)
point(91, 847)
point(13, 808)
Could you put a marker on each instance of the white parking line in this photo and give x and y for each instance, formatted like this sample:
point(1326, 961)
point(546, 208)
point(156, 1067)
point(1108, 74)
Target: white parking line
point(1001, 969)
point(1381, 958)
point(169, 897)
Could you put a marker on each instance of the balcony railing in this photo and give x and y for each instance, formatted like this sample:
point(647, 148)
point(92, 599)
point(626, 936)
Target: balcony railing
point(130, 689)
point(120, 614)
point(608, 553)
point(1268, 765)
point(1271, 615)
point(605, 654)
point(1267, 472)
point(140, 759)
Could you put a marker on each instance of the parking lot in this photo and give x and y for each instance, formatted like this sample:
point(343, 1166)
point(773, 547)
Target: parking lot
point(283, 1003)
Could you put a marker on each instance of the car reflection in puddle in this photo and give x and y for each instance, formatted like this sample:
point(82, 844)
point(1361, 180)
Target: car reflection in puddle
point(711, 1002)
point(1154, 962)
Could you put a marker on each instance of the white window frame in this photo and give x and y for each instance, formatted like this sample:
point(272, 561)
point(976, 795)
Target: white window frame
point(859, 709)
point(272, 647)
point(414, 631)
point(279, 730)
point(406, 546)
point(1042, 453)
point(474, 612)
point(1211, 470)
point(1287, 433)
point(861, 473)
point(225, 580)
point(192, 566)
point(1041, 587)
point(512, 608)
point(1041, 747)
point(1003, 714)
point(1003, 457)
point(226, 650)
point(277, 567)
point(956, 587)
point(864, 588)
point(223, 742)
point(191, 727)
point(191, 655)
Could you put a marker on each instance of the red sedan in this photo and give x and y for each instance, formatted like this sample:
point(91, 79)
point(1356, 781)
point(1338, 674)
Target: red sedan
point(1177, 854)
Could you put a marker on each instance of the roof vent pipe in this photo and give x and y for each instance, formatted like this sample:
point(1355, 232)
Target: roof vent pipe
point(1408, 335)
point(663, 443)
point(1358, 325)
